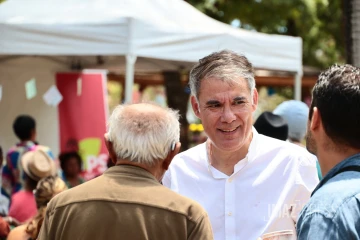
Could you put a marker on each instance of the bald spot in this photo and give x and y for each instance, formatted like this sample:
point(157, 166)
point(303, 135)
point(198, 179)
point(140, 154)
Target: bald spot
point(143, 117)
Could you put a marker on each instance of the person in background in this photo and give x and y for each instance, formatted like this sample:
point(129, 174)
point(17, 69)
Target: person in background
point(13, 176)
point(333, 211)
point(36, 164)
point(71, 165)
point(272, 125)
point(250, 184)
point(4, 201)
point(296, 115)
point(45, 190)
point(128, 201)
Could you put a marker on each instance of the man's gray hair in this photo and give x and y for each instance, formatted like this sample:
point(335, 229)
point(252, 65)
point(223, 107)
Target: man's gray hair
point(224, 65)
point(143, 136)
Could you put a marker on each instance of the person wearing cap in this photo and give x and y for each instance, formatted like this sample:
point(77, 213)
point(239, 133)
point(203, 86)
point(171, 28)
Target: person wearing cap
point(296, 115)
point(250, 184)
point(13, 176)
point(272, 125)
point(37, 164)
point(128, 200)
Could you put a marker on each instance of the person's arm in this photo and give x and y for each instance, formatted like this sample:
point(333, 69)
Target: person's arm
point(202, 229)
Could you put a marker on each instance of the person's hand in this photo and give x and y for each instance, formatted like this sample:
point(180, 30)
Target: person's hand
point(12, 221)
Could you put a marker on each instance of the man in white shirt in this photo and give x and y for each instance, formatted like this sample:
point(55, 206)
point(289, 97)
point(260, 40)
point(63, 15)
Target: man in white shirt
point(249, 184)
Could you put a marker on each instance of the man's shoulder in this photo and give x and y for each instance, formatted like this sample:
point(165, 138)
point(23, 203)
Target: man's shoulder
point(287, 150)
point(340, 194)
point(162, 198)
point(76, 194)
point(180, 204)
point(193, 156)
point(331, 215)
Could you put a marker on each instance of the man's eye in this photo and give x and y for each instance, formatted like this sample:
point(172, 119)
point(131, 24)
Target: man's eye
point(215, 105)
point(238, 102)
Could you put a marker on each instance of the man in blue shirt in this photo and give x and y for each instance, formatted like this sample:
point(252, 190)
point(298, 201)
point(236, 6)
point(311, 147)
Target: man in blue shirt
point(333, 211)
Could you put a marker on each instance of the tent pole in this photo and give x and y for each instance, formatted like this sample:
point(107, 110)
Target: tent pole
point(129, 79)
point(297, 86)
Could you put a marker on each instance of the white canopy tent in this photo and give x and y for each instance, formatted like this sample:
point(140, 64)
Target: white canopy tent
point(156, 29)
point(39, 38)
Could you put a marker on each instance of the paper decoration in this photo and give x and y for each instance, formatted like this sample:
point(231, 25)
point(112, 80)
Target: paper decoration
point(0, 92)
point(79, 86)
point(30, 88)
point(52, 97)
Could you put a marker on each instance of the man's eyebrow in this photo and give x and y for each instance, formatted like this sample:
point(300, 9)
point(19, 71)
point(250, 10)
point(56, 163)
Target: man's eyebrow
point(239, 98)
point(212, 102)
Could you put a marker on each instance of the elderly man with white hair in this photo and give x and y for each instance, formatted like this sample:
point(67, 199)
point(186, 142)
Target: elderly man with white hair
point(128, 201)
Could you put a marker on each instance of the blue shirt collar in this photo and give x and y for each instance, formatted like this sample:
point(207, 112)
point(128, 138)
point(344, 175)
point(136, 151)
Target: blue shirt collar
point(353, 161)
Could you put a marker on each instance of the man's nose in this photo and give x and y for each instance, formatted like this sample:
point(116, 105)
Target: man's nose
point(228, 115)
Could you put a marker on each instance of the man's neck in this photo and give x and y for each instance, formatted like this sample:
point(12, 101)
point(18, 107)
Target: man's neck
point(329, 158)
point(224, 161)
point(154, 170)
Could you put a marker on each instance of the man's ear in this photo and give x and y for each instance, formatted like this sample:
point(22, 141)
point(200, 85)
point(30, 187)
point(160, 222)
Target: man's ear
point(110, 148)
point(170, 156)
point(255, 99)
point(315, 121)
point(195, 106)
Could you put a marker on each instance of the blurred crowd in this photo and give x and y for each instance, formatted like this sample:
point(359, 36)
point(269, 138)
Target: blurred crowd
point(31, 176)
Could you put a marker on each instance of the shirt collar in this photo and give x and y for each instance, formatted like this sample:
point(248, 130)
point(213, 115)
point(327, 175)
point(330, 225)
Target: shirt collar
point(25, 144)
point(130, 170)
point(351, 161)
point(250, 156)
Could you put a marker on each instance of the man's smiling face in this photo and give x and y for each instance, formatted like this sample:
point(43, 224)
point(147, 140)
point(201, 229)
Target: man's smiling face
point(225, 110)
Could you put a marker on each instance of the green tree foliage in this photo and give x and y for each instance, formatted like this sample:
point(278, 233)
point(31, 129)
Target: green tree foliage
point(318, 22)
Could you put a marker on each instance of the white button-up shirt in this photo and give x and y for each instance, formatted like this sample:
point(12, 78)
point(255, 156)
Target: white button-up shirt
point(264, 194)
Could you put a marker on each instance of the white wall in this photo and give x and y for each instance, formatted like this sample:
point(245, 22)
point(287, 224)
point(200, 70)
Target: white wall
point(13, 75)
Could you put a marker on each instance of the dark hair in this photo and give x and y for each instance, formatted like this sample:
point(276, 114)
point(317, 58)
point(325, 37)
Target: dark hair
point(64, 157)
point(23, 127)
point(336, 94)
point(1, 152)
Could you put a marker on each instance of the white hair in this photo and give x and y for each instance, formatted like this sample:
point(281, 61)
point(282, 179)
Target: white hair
point(143, 134)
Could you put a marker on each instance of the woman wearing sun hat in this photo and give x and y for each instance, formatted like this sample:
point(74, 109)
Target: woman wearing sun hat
point(37, 164)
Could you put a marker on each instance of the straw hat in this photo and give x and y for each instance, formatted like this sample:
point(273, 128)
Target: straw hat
point(38, 164)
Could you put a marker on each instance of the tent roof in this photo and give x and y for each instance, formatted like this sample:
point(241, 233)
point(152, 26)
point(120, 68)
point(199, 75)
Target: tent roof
point(160, 29)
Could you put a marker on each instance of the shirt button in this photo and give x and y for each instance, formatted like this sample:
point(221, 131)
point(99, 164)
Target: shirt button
point(230, 213)
point(229, 180)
